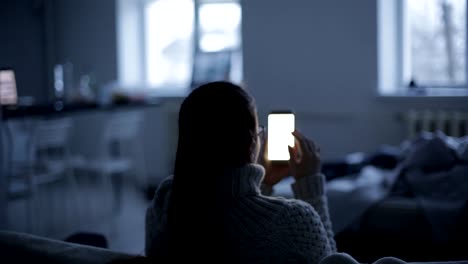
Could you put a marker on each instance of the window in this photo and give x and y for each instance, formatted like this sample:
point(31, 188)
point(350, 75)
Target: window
point(169, 49)
point(177, 39)
point(219, 26)
point(422, 46)
point(219, 42)
point(437, 42)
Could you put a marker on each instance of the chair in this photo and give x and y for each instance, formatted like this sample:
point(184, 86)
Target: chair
point(120, 128)
point(44, 163)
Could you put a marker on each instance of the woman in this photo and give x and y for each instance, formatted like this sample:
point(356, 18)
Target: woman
point(212, 208)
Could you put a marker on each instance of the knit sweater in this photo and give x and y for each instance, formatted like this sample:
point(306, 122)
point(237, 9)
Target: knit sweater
point(269, 229)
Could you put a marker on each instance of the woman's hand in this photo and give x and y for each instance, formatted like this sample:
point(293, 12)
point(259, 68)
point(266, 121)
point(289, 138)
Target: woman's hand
point(304, 157)
point(274, 172)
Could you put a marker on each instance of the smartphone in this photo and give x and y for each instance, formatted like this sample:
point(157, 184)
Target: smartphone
point(280, 126)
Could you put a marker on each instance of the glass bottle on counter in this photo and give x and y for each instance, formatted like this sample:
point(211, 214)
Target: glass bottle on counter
point(63, 84)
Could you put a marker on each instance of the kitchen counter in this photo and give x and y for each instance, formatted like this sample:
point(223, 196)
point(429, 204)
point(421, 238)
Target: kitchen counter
point(60, 109)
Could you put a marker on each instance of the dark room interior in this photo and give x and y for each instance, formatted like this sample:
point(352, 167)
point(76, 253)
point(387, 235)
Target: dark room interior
point(100, 103)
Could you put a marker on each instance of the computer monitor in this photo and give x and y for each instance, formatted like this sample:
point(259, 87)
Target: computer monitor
point(8, 92)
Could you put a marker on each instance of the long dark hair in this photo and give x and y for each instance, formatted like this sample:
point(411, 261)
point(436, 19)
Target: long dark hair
point(217, 132)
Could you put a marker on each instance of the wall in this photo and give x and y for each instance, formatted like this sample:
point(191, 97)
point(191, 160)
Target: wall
point(320, 58)
point(86, 37)
point(38, 34)
point(3, 184)
point(22, 45)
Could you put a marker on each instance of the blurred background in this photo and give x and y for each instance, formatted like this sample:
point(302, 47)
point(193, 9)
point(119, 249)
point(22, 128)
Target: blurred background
point(90, 92)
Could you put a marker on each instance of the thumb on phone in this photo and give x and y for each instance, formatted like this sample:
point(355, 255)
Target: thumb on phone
point(292, 160)
point(292, 155)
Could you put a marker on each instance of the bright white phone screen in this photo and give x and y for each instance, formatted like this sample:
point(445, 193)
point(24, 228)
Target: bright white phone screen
point(280, 127)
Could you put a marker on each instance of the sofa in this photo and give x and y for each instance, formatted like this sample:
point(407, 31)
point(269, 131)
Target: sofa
point(398, 226)
point(25, 248)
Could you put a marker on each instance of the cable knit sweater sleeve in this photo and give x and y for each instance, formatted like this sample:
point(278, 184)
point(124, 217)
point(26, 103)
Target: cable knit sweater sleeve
point(311, 189)
point(300, 227)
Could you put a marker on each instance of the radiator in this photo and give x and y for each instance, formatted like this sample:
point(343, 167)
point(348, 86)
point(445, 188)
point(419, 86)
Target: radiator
point(452, 123)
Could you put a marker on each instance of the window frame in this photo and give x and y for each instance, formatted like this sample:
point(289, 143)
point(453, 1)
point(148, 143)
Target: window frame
point(143, 38)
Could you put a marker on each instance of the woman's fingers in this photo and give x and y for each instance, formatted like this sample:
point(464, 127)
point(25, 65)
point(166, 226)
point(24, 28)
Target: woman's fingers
point(292, 155)
point(293, 159)
point(305, 143)
point(301, 139)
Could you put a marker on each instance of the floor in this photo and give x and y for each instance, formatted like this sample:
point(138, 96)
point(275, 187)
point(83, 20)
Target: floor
point(57, 211)
point(129, 233)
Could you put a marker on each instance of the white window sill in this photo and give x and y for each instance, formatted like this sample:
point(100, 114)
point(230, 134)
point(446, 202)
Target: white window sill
point(429, 93)
point(155, 92)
